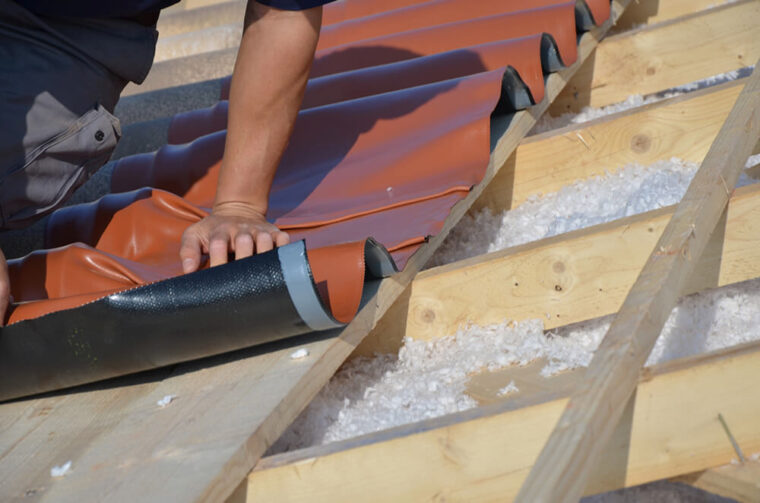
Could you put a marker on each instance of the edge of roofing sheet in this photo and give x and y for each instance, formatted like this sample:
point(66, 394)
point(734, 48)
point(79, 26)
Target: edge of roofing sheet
point(303, 291)
point(274, 292)
point(515, 94)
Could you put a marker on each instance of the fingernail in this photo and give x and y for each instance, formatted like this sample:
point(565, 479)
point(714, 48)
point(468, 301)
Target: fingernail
point(187, 265)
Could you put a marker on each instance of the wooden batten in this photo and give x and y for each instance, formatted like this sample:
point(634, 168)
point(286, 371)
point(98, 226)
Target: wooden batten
point(683, 127)
point(576, 276)
point(652, 12)
point(662, 56)
point(573, 450)
point(670, 427)
point(737, 481)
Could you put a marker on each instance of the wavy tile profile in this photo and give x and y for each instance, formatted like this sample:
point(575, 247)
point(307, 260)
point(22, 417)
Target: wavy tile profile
point(394, 130)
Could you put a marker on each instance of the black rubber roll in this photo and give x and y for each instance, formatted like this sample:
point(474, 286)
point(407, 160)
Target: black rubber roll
point(244, 303)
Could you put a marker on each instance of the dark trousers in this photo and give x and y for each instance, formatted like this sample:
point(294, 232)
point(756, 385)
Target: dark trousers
point(60, 79)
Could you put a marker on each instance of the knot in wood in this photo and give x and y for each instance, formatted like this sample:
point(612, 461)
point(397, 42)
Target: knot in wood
point(641, 143)
point(428, 315)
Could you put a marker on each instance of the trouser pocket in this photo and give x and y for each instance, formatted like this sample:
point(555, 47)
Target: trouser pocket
point(57, 167)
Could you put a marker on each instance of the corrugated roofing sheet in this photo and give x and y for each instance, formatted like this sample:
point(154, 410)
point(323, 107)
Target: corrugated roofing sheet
point(394, 130)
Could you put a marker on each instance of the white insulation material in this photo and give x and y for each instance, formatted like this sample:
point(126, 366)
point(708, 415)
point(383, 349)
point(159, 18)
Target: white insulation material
point(509, 389)
point(632, 190)
point(548, 123)
point(166, 400)
point(428, 379)
point(61, 471)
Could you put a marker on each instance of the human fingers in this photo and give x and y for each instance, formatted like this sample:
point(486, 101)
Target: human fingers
point(243, 245)
point(218, 248)
point(190, 251)
point(264, 242)
point(281, 238)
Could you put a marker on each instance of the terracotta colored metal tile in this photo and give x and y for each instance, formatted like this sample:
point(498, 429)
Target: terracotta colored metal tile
point(422, 15)
point(341, 292)
point(343, 10)
point(130, 211)
point(557, 21)
point(120, 226)
point(372, 144)
point(176, 320)
point(600, 9)
point(75, 274)
point(522, 54)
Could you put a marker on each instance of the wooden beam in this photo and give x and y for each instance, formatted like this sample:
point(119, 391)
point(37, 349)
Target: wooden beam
point(227, 410)
point(439, 301)
point(651, 12)
point(667, 55)
point(569, 278)
point(484, 454)
point(684, 127)
point(740, 482)
point(589, 419)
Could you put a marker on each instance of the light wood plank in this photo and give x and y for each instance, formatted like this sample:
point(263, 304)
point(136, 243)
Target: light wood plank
point(483, 455)
point(740, 482)
point(651, 12)
point(228, 410)
point(573, 277)
point(589, 419)
point(666, 55)
point(683, 127)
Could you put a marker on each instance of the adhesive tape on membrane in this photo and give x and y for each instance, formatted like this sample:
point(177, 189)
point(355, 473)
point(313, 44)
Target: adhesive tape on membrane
point(245, 303)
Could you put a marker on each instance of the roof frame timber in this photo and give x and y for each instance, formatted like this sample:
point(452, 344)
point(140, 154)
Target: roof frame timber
point(649, 12)
point(665, 55)
point(576, 276)
point(670, 427)
point(737, 481)
point(227, 410)
point(593, 411)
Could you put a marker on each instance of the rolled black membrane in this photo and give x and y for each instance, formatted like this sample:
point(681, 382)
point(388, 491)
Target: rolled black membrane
point(241, 304)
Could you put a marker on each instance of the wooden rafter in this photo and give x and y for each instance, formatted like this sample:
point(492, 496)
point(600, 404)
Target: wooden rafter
point(683, 126)
point(662, 56)
point(653, 12)
point(576, 276)
point(590, 417)
point(484, 454)
point(738, 481)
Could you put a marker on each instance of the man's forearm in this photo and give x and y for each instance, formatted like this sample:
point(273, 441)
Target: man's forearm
point(270, 75)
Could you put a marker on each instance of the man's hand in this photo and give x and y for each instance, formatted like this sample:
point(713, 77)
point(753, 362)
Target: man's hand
point(231, 226)
point(268, 83)
point(5, 288)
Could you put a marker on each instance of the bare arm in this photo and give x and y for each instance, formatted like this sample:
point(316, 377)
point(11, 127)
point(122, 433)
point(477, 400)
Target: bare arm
point(268, 82)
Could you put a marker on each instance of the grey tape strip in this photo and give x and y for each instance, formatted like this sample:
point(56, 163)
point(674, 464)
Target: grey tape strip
point(301, 288)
